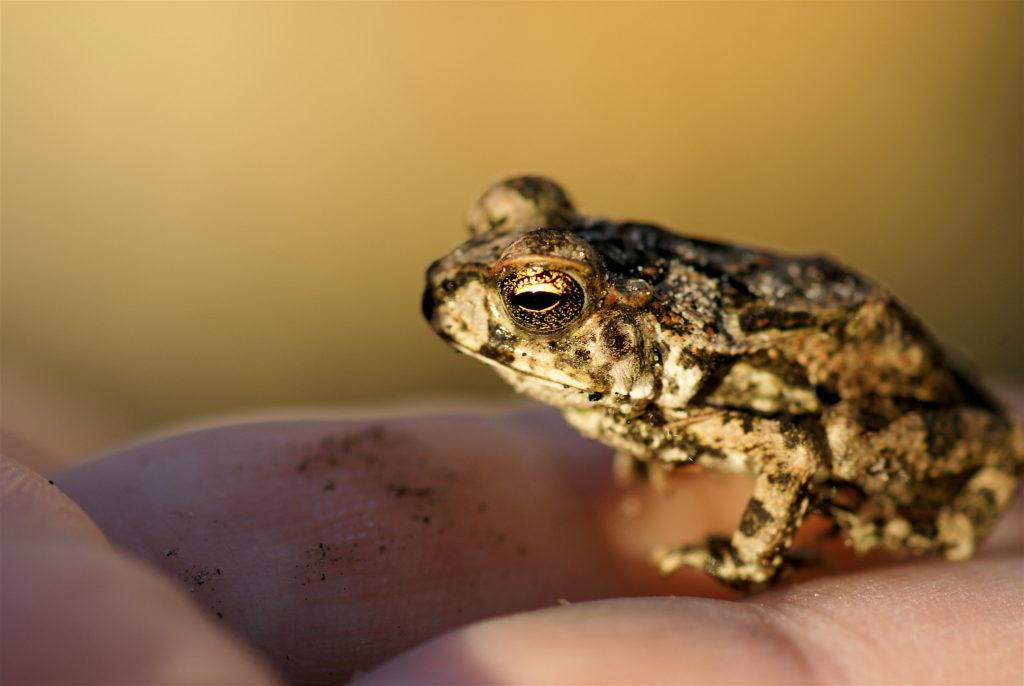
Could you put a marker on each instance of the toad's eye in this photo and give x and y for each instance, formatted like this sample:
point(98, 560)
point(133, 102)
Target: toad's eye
point(542, 300)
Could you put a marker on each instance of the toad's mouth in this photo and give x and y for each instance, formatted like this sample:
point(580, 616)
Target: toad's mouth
point(501, 367)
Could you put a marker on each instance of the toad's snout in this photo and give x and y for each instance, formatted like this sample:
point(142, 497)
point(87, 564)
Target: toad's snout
point(428, 303)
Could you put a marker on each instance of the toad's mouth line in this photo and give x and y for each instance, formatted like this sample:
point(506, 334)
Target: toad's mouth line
point(504, 367)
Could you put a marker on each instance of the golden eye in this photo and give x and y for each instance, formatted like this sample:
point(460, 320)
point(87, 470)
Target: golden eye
point(542, 300)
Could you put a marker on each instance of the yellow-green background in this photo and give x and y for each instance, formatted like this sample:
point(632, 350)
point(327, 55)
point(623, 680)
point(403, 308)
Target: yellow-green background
point(220, 206)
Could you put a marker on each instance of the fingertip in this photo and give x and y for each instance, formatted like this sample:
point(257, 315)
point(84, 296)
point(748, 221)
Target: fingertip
point(927, 623)
point(922, 621)
point(29, 501)
point(622, 641)
point(78, 611)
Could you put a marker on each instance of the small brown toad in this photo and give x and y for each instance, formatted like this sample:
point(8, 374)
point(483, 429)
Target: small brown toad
point(677, 351)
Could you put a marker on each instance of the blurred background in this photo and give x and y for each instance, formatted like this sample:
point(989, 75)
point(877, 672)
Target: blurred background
point(220, 207)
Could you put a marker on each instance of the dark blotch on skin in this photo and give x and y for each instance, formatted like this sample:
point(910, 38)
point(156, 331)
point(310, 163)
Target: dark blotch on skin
point(943, 432)
point(826, 396)
point(988, 496)
point(924, 526)
point(876, 417)
point(450, 286)
point(761, 318)
point(980, 506)
point(616, 341)
point(747, 421)
point(498, 355)
point(719, 549)
point(427, 304)
point(792, 373)
point(499, 346)
point(754, 517)
point(654, 417)
point(714, 368)
point(534, 187)
point(631, 250)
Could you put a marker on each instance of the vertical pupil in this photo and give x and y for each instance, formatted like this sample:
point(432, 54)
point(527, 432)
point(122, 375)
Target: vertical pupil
point(537, 300)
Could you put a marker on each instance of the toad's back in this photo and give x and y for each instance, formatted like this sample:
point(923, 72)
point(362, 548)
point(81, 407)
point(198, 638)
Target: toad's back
point(850, 335)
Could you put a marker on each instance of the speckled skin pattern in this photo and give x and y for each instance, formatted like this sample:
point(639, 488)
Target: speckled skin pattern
point(678, 351)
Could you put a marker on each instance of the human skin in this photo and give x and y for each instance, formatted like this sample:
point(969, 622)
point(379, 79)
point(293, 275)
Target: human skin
point(449, 548)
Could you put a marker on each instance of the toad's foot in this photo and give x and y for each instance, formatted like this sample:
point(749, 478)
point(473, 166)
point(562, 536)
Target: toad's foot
point(718, 558)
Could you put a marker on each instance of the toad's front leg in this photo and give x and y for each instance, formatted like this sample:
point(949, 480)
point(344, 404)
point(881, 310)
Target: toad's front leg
point(785, 457)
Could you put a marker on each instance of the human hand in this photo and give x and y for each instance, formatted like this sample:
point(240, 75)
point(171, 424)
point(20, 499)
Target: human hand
point(332, 545)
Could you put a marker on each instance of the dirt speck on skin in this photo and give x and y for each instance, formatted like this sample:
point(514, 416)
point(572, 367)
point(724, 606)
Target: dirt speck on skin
point(200, 576)
point(366, 444)
point(399, 491)
point(326, 556)
point(392, 464)
point(412, 498)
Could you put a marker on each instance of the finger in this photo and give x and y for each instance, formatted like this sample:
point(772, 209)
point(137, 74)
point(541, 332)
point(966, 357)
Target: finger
point(920, 623)
point(75, 611)
point(334, 544)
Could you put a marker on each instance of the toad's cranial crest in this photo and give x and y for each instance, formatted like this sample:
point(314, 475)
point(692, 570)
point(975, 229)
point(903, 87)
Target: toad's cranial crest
point(677, 350)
